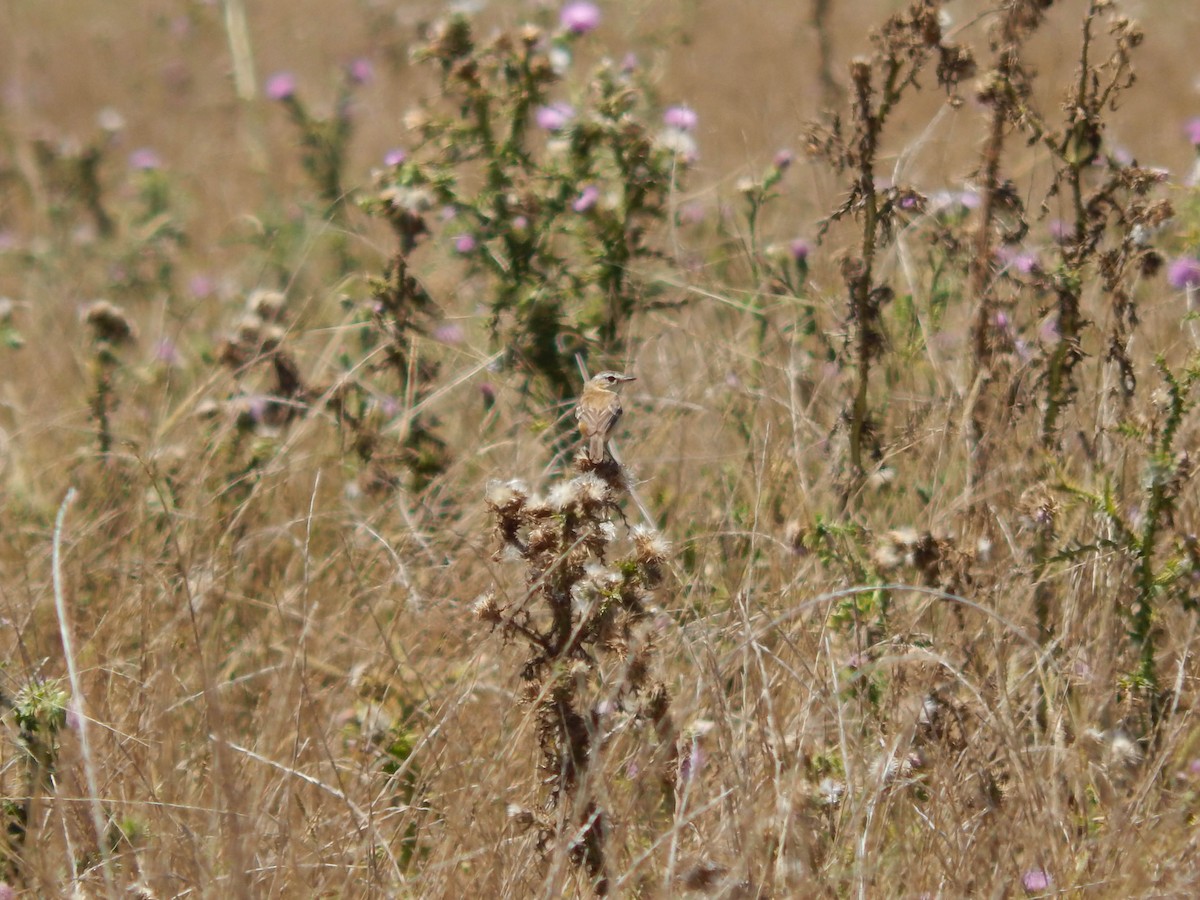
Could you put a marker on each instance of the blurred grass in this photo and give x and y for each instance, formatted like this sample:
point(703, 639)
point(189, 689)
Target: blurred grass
point(288, 693)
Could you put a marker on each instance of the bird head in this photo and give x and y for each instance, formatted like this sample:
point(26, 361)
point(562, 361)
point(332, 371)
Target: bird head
point(611, 380)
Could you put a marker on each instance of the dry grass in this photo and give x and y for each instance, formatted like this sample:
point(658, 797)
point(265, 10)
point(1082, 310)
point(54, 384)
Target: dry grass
point(916, 680)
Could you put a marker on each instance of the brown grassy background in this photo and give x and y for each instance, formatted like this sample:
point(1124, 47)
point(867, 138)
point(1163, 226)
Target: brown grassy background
point(254, 638)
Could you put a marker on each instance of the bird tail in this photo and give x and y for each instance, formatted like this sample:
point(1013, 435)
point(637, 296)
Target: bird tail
point(596, 448)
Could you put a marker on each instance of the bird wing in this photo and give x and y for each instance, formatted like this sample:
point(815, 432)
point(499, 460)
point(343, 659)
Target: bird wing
point(596, 420)
point(600, 418)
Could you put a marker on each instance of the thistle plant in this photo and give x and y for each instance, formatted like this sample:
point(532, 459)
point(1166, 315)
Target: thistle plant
point(551, 208)
point(1001, 214)
point(40, 714)
point(323, 140)
point(905, 46)
point(1108, 224)
point(111, 330)
point(1165, 564)
point(584, 614)
point(71, 173)
point(155, 233)
point(775, 270)
point(401, 311)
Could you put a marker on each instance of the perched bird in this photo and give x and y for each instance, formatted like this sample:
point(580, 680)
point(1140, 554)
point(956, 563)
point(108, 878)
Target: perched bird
point(598, 411)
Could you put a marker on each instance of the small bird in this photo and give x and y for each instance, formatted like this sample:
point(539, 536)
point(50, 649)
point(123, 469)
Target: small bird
point(598, 411)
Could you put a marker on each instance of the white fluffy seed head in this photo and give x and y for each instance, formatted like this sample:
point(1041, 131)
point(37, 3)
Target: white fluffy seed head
point(649, 544)
point(486, 609)
point(592, 491)
point(564, 494)
point(502, 493)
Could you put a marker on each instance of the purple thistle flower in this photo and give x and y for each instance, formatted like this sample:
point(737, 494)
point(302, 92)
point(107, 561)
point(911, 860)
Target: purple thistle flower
point(1192, 129)
point(784, 158)
point(394, 157)
point(1184, 273)
point(449, 333)
point(1036, 880)
point(144, 160)
point(201, 286)
point(166, 352)
point(281, 86)
point(1026, 263)
point(465, 243)
point(1049, 332)
point(799, 249)
point(554, 117)
point(256, 408)
point(360, 71)
point(681, 117)
point(692, 212)
point(580, 17)
point(587, 199)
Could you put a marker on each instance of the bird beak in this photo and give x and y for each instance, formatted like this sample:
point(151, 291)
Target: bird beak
point(629, 378)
